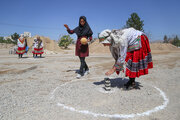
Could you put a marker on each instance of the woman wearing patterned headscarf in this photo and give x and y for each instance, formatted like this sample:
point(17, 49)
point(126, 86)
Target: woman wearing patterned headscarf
point(131, 51)
point(82, 50)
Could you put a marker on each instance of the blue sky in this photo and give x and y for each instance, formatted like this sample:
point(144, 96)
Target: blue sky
point(46, 17)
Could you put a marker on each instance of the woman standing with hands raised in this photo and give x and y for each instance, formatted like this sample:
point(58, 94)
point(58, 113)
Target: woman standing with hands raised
point(83, 32)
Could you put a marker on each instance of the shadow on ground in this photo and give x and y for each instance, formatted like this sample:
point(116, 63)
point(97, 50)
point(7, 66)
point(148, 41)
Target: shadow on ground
point(119, 83)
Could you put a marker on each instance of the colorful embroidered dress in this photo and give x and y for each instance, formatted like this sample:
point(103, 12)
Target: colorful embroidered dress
point(38, 47)
point(131, 48)
point(21, 46)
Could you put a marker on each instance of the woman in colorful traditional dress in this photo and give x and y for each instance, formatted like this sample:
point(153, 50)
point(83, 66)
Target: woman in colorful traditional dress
point(21, 46)
point(82, 50)
point(38, 47)
point(131, 51)
point(33, 46)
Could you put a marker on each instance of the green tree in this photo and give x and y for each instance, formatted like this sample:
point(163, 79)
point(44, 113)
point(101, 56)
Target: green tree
point(1, 40)
point(15, 37)
point(135, 22)
point(9, 41)
point(176, 41)
point(165, 39)
point(65, 41)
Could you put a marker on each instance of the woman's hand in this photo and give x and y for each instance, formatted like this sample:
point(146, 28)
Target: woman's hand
point(111, 71)
point(66, 26)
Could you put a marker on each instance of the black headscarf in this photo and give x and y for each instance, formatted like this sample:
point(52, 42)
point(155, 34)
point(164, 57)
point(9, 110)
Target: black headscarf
point(83, 30)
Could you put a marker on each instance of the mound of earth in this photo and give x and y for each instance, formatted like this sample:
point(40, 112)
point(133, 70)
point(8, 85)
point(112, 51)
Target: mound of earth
point(4, 45)
point(49, 45)
point(96, 47)
point(162, 46)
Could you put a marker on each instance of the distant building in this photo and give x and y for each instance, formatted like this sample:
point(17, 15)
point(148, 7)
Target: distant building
point(27, 34)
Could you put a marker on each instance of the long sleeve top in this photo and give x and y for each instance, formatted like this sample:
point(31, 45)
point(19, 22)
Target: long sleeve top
point(124, 41)
point(36, 44)
point(72, 32)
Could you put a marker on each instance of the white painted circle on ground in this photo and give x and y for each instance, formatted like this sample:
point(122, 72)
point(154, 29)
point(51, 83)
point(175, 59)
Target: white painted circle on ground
point(125, 116)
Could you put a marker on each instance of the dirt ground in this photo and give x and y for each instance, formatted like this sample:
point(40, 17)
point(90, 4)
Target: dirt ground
point(46, 89)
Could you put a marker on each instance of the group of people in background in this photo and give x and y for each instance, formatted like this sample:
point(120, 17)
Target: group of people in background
point(37, 47)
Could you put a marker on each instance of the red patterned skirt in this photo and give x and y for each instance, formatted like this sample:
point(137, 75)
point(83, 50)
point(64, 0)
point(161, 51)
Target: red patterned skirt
point(38, 51)
point(21, 50)
point(139, 61)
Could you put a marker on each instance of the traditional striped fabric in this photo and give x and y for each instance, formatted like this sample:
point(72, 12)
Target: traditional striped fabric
point(119, 67)
point(135, 45)
point(139, 61)
point(21, 50)
point(142, 64)
point(38, 51)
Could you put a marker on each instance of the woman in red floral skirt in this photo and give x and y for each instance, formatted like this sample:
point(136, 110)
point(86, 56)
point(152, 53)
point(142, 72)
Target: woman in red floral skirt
point(21, 43)
point(38, 48)
point(131, 51)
